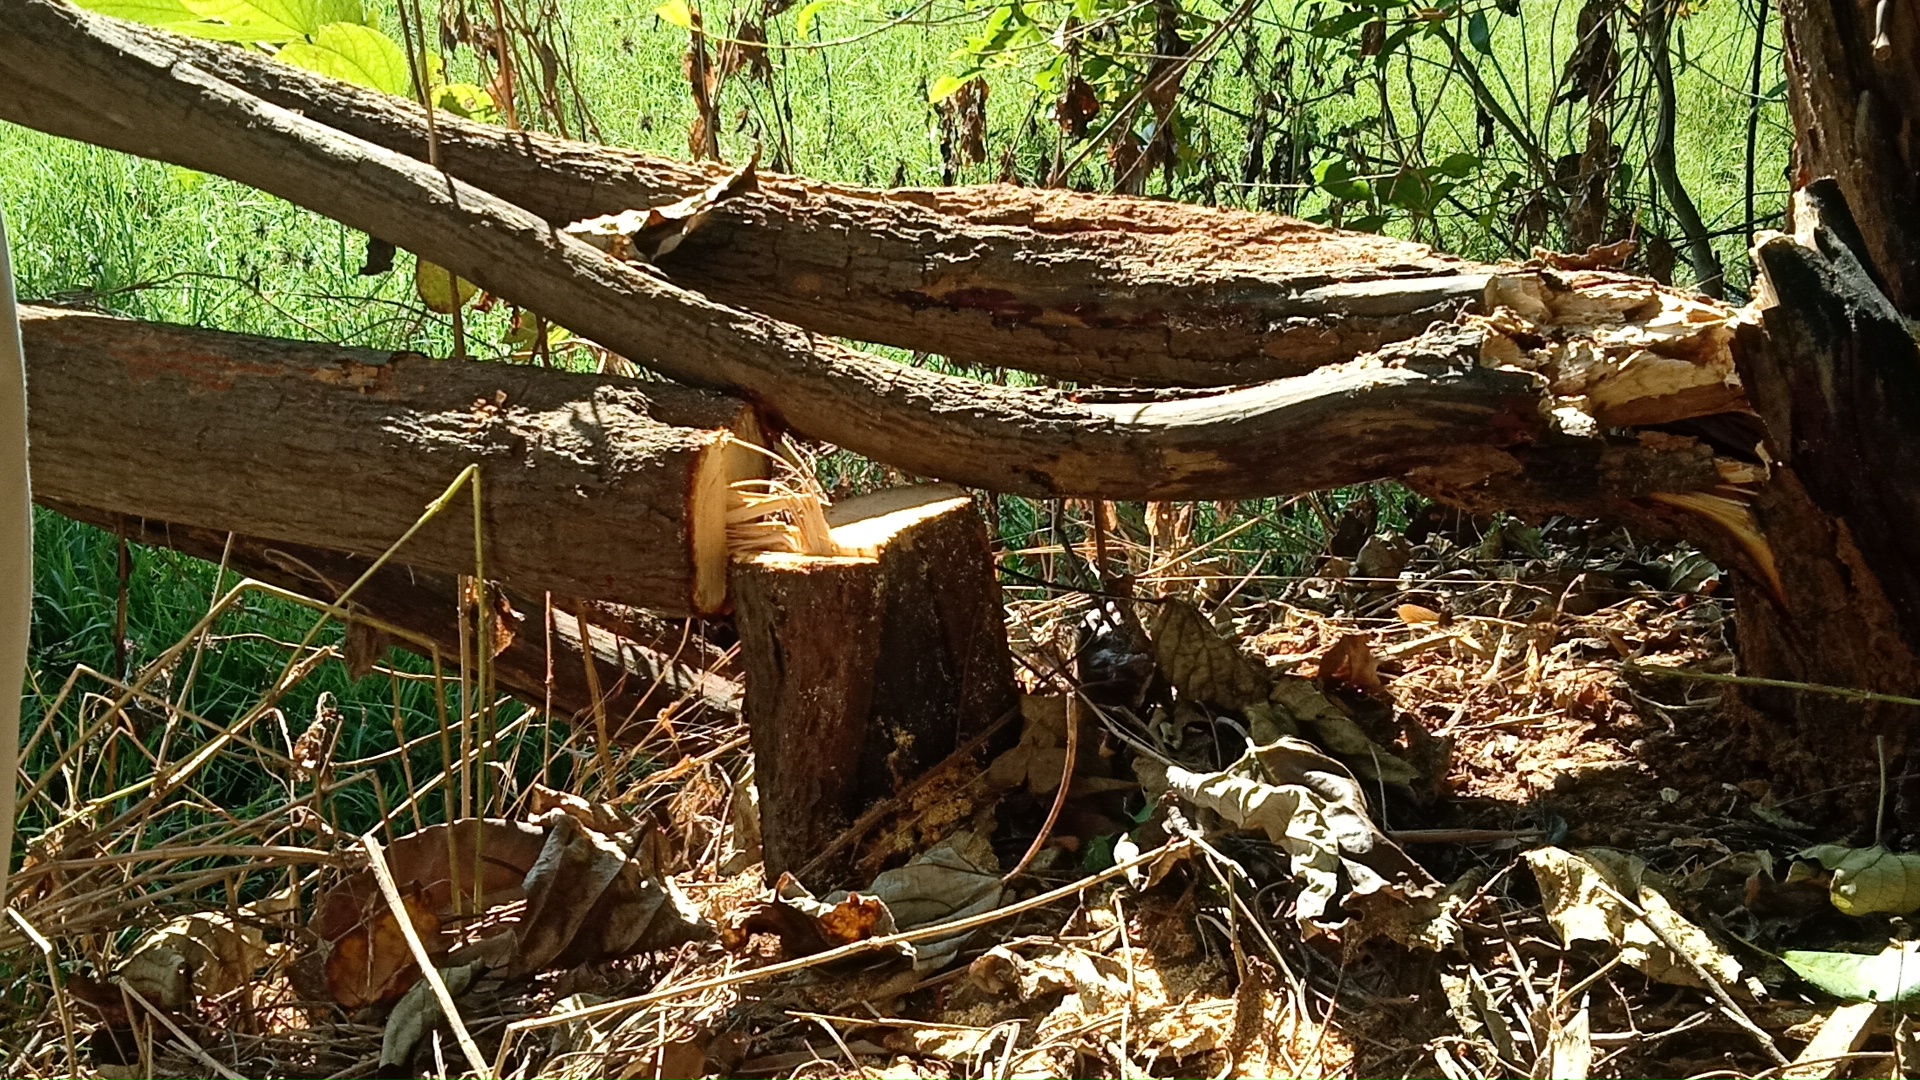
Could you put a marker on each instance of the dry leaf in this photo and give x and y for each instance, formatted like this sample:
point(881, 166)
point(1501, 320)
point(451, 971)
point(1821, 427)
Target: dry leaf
point(1039, 760)
point(1583, 891)
point(1312, 808)
point(418, 1012)
point(1203, 665)
point(1333, 729)
point(1350, 662)
point(646, 235)
point(208, 954)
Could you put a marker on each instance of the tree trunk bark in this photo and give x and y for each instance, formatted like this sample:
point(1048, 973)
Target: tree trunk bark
point(1836, 377)
point(1094, 288)
point(598, 487)
point(864, 670)
point(1436, 405)
point(637, 679)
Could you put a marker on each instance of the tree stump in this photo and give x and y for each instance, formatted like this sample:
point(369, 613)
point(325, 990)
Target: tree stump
point(866, 668)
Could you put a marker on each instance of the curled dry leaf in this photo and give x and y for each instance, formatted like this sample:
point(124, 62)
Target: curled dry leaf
point(954, 879)
point(1311, 807)
point(646, 235)
point(1583, 892)
point(589, 896)
point(206, 954)
point(1350, 662)
point(1040, 758)
point(418, 1012)
point(1870, 880)
point(1203, 665)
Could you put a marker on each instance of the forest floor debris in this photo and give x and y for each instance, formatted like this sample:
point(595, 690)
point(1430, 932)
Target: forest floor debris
point(1428, 811)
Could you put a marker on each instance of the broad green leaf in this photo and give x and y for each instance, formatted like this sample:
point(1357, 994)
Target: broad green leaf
point(676, 12)
point(439, 289)
point(271, 20)
point(1480, 33)
point(1891, 975)
point(356, 54)
point(165, 13)
point(467, 101)
point(1460, 166)
point(803, 22)
point(1871, 880)
point(945, 85)
point(1342, 24)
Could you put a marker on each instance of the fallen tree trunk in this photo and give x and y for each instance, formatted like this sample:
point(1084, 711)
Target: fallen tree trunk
point(1434, 406)
point(636, 680)
point(867, 668)
point(599, 487)
point(1095, 288)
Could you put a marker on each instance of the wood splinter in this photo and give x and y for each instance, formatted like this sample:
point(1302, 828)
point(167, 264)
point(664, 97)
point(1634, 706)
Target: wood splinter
point(867, 667)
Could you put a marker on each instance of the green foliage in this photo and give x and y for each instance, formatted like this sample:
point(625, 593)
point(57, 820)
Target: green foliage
point(1890, 975)
point(252, 22)
point(353, 53)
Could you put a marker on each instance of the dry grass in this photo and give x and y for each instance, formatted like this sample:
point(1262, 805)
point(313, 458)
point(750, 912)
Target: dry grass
point(1499, 679)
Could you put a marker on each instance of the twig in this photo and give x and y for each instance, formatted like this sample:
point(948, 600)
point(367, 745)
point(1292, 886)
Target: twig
point(377, 859)
point(1780, 684)
point(194, 1048)
point(1060, 796)
point(1713, 984)
point(946, 928)
point(53, 979)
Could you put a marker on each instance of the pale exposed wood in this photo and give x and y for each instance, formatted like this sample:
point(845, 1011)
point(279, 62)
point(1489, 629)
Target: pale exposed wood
point(600, 487)
point(1096, 288)
point(1429, 406)
point(16, 549)
point(865, 670)
point(638, 677)
point(1843, 1032)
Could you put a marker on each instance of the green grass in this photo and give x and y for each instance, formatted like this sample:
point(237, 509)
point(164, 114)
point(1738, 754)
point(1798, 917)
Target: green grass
point(158, 242)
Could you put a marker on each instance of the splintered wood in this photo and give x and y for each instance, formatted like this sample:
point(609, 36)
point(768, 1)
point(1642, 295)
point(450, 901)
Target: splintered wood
point(867, 667)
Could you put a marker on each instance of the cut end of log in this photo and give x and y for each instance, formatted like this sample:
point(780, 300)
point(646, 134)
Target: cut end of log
point(864, 525)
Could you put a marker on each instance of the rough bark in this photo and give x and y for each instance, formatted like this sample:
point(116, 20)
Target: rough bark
point(1095, 288)
point(608, 488)
point(1836, 377)
point(865, 670)
point(1440, 408)
point(1855, 100)
point(638, 679)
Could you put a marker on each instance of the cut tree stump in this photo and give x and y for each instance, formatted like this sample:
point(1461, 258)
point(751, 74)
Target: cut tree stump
point(594, 487)
point(866, 668)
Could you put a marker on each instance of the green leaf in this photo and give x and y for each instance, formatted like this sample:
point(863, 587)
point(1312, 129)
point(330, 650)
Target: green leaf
point(1871, 880)
point(165, 13)
point(1342, 24)
point(676, 12)
point(467, 101)
point(1480, 34)
point(1891, 975)
point(353, 53)
point(945, 85)
point(1460, 166)
point(803, 22)
point(270, 21)
point(1398, 38)
point(1336, 177)
point(439, 289)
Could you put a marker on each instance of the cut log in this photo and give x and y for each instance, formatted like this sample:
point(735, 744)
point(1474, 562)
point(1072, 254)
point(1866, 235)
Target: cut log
point(1432, 405)
point(598, 487)
point(865, 669)
point(1095, 288)
point(638, 678)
